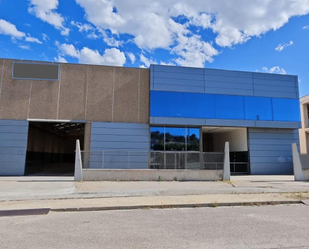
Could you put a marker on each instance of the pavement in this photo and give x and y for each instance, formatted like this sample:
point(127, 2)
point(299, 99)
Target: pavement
point(63, 194)
point(265, 227)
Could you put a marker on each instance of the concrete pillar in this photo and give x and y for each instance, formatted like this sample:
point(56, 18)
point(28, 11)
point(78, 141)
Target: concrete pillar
point(297, 167)
point(226, 164)
point(303, 141)
point(87, 145)
point(304, 115)
point(78, 173)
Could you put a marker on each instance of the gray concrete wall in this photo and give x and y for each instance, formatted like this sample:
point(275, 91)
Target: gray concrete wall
point(83, 92)
point(13, 147)
point(270, 150)
point(152, 175)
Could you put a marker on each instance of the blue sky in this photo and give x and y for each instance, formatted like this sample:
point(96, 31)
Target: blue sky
point(262, 35)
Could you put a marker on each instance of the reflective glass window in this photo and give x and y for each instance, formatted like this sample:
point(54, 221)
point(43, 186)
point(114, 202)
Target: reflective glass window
point(175, 139)
point(199, 105)
point(157, 138)
point(258, 108)
point(166, 104)
point(286, 109)
point(193, 139)
point(229, 107)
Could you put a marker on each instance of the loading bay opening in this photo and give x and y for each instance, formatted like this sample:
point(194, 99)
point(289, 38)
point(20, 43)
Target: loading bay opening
point(214, 139)
point(51, 147)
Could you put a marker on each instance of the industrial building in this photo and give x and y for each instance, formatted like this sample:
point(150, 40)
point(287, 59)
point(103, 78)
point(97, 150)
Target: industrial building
point(45, 107)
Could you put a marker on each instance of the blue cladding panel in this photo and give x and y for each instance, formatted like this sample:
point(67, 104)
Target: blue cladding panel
point(286, 109)
point(199, 106)
point(169, 104)
point(229, 107)
point(117, 140)
point(214, 81)
point(257, 108)
point(216, 106)
point(271, 151)
point(13, 144)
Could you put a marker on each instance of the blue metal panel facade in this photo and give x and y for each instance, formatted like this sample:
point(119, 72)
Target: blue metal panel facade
point(270, 150)
point(120, 137)
point(182, 94)
point(199, 80)
point(13, 147)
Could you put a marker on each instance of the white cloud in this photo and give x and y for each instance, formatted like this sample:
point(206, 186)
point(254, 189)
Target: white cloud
point(306, 27)
point(276, 69)
point(110, 41)
point(60, 59)
point(45, 37)
point(152, 22)
point(82, 27)
point(32, 39)
point(131, 57)
point(147, 62)
point(68, 49)
point(25, 47)
point(112, 56)
point(7, 28)
point(46, 11)
point(194, 51)
point(282, 46)
point(92, 36)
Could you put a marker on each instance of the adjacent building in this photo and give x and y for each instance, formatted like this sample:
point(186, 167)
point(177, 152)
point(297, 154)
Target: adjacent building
point(45, 107)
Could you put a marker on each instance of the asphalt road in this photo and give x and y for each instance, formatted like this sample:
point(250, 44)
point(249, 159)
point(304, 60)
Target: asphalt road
point(230, 227)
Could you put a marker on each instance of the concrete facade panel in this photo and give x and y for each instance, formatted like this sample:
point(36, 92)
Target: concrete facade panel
point(100, 93)
point(44, 99)
point(144, 96)
point(73, 87)
point(15, 95)
point(126, 95)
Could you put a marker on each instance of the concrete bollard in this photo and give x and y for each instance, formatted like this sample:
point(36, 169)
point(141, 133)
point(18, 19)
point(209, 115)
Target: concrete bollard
point(226, 164)
point(78, 173)
point(297, 167)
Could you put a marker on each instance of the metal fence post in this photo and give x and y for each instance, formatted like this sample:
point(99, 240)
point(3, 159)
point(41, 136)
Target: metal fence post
point(129, 159)
point(102, 158)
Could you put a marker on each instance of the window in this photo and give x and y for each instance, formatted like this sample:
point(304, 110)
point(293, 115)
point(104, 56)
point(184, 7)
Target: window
point(229, 107)
point(175, 139)
point(286, 109)
point(258, 108)
point(157, 138)
point(218, 106)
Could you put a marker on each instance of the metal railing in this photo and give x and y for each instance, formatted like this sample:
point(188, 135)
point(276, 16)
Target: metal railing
point(153, 159)
point(239, 167)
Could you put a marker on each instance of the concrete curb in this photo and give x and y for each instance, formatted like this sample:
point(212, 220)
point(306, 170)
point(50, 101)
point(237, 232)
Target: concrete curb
point(197, 205)
point(24, 212)
point(45, 211)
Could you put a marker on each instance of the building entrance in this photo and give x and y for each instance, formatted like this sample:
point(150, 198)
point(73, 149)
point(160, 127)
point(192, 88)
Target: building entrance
point(51, 147)
point(214, 139)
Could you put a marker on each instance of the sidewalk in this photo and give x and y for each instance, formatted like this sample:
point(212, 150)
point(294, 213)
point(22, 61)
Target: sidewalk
point(212, 200)
point(62, 193)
